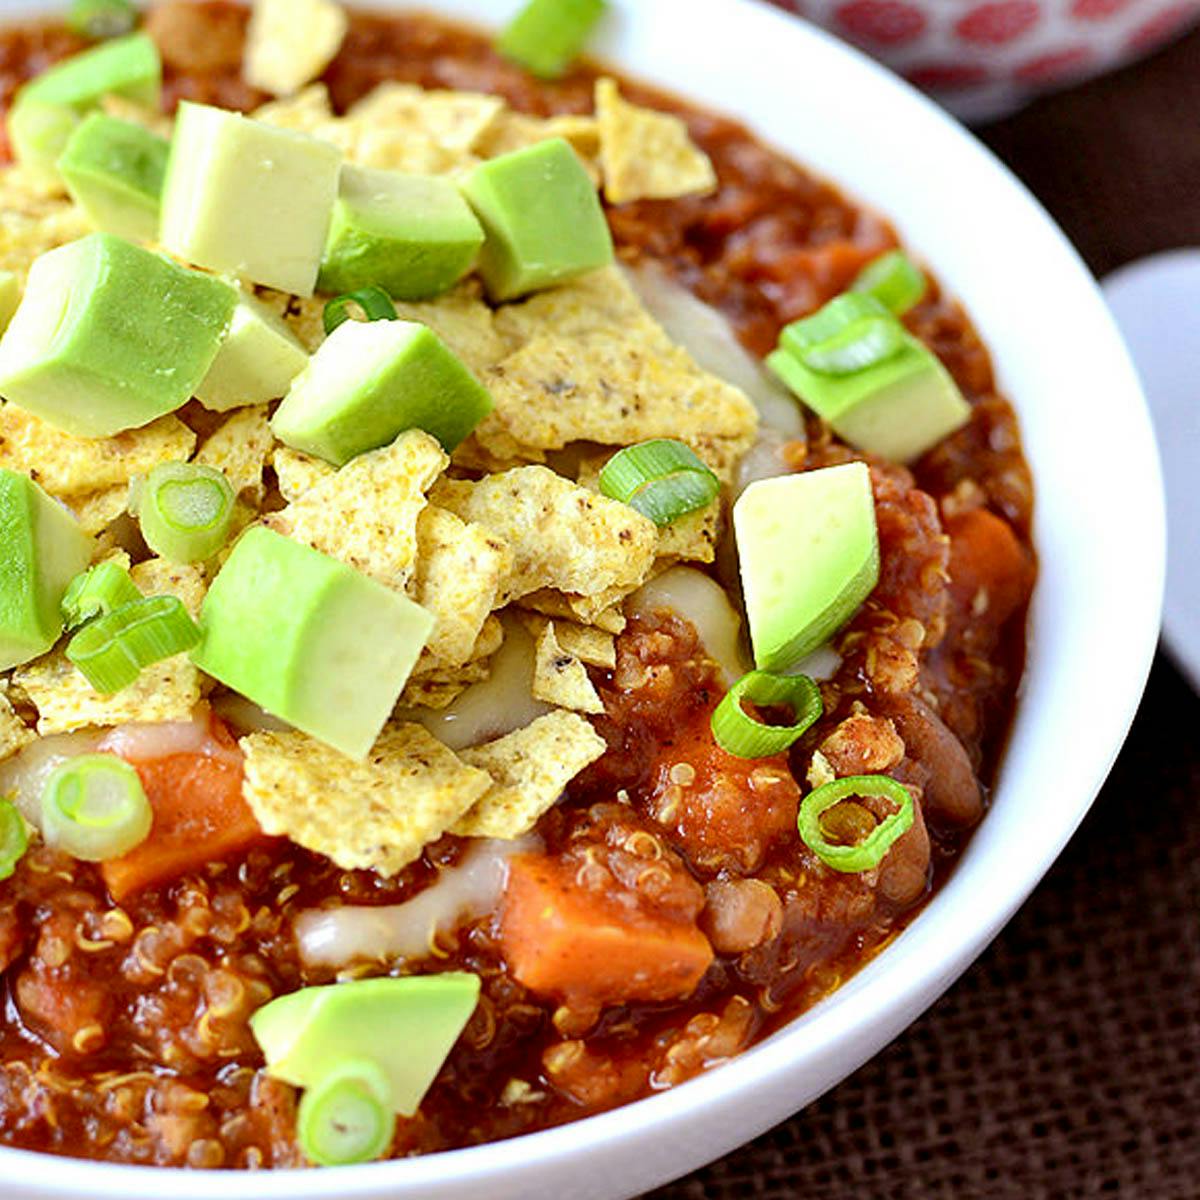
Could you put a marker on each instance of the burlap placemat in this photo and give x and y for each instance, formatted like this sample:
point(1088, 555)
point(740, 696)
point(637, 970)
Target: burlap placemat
point(1066, 1063)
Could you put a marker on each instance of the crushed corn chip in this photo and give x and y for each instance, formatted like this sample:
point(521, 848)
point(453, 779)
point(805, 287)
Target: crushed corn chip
point(530, 767)
point(366, 513)
point(297, 471)
point(303, 112)
point(514, 131)
point(562, 536)
point(560, 678)
point(586, 642)
point(305, 315)
point(15, 735)
point(459, 571)
point(96, 511)
point(599, 611)
point(32, 221)
point(463, 321)
point(158, 577)
point(376, 814)
point(455, 120)
point(646, 155)
point(66, 465)
point(239, 450)
point(149, 118)
point(290, 42)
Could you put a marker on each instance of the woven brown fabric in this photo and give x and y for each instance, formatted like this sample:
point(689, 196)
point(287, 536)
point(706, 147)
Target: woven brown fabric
point(1066, 1063)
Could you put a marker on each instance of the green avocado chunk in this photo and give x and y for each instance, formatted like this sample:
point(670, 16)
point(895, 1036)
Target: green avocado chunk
point(42, 549)
point(408, 1026)
point(309, 639)
point(546, 35)
point(114, 171)
point(412, 235)
point(110, 336)
point(47, 109)
point(257, 361)
point(371, 380)
point(541, 216)
point(809, 555)
point(248, 199)
point(898, 402)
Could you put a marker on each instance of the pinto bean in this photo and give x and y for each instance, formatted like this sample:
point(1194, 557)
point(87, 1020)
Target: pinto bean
point(904, 872)
point(740, 914)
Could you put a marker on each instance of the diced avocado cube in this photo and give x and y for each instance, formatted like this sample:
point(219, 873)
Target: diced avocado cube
point(257, 361)
point(898, 408)
point(309, 639)
point(371, 380)
point(412, 235)
point(247, 198)
point(114, 171)
point(110, 336)
point(546, 35)
point(42, 549)
point(47, 108)
point(541, 216)
point(408, 1026)
point(809, 555)
point(10, 297)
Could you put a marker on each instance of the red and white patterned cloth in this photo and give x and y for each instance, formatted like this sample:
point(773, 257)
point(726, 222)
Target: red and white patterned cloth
point(984, 57)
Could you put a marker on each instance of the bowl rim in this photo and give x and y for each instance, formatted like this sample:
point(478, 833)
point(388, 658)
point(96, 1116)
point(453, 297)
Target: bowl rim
point(668, 1133)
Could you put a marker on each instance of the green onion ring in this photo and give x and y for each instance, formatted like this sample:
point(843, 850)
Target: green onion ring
point(347, 1117)
point(738, 733)
point(14, 837)
point(98, 19)
point(851, 333)
point(96, 591)
point(185, 511)
point(95, 808)
point(894, 280)
point(662, 479)
point(375, 303)
point(870, 852)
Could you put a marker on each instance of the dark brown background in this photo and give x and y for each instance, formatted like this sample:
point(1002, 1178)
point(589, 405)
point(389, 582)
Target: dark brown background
point(1066, 1062)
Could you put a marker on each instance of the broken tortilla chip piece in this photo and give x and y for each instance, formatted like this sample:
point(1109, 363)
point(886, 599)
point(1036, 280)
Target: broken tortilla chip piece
point(562, 536)
point(586, 642)
point(303, 112)
point(514, 131)
point(33, 221)
point(560, 678)
point(290, 42)
point(15, 735)
point(371, 815)
point(646, 155)
point(599, 611)
point(530, 767)
point(96, 511)
point(455, 120)
point(239, 449)
point(66, 465)
point(296, 471)
point(366, 513)
point(463, 321)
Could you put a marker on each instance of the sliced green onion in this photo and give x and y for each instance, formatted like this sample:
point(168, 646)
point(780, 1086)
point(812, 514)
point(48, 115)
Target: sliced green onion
point(113, 649)
point(849, 334)
point(737, 732)
point(662, 479)
point(94, 808)
point(546, 36)
point(98, 19)
point(375, 303)
point(348, 1116)
point(14, 837)
point(95, 591)
point(868, 853)
point(185, 510)
point(894, 280)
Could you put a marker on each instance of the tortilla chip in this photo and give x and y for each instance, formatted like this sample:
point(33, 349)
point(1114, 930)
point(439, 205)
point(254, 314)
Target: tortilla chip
point(514, 131)
point(290, 42)
point(647, 155)
point(375, 815)
point(531, 767)
point(455, 120)
point(297, 471)
point(590, 364)
point(440, 690)
point(124, 109)
point(96, 511)
point(66, 465)
point(583, 609)
point(463, 321)
point(459, 571)
point(560, 678)
point(304, 315)
point(158, 577)
point(585, 642)
point(15, 735)
point(34, 218)
point(304, 112)
point(562, 536)
point(239, 450)
point(366, 513)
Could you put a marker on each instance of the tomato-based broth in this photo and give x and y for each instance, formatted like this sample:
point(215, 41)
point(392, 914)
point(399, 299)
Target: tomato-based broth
point(125, 1034)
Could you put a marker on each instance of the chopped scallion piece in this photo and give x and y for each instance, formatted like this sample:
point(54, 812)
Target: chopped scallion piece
point(894, 280)
point(97, 19)
point(185, 511)
point(737, 732)
point(869, 853)
point(662, 479)
point(546, 36)
point(14, 837)
point(348, 1116)
point(94, 808)
point(849, 334)
point(113, 649)
point(96, 591)
point(375, 303)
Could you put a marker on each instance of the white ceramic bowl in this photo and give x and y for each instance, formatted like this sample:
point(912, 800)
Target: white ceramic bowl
point(1099, 530)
